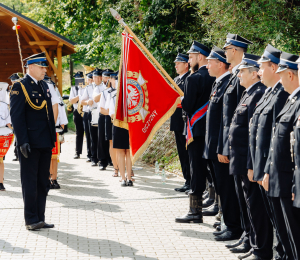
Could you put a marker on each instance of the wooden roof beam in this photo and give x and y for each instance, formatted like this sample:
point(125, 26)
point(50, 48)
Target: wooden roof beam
point(43, 43)
point(36, 37)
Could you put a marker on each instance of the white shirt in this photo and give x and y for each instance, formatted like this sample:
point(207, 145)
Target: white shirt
point(62, 118)
point(112, 104)
point(54, 98)
point(235, 68)
point(222, 76)
point(97, 90)
point(75, 93)
point(4, 114)
point(275, 85)
point(183, 75)
point(294, 93)
point(35, 80)
point(104, 97)
point(88, 95)
point(248, 89)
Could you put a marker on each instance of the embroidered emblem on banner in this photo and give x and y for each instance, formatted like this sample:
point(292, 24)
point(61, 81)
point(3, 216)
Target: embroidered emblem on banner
point(137, 97)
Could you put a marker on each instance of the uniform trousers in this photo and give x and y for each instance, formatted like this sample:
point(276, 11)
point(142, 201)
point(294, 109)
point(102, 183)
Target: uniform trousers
point(211, 176)
point(245, 223)
point(261, 229)
point(94, 138)
point(103, 145)
point(278, 247)
point(229, 201)
point(78, 121)
point(292, 220)
point(87, 134)
point(183, 156)
point(276, 209)
point(198, 166)
point(35, 183)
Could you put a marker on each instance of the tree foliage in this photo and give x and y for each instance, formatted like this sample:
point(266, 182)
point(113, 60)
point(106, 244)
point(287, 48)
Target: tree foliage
point(165, 26)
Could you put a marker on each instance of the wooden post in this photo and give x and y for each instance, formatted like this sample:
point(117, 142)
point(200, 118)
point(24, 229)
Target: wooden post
point(71, 69)
point(59, 68)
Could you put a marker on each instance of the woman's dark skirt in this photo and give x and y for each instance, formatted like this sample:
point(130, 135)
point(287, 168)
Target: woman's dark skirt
point(120, 138)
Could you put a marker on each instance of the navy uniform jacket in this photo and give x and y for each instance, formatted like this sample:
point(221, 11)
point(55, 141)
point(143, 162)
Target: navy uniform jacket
point(279, 165)
point(176, 122)
point(296, 179)
point(196, 94)
point(213, 118)
point(238, 137)
point(261, 129)
point(231, 99)
point(30, 125)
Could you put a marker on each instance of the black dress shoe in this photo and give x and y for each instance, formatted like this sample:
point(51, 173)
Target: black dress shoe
point(55, 185)
point(183, 188)
point(211, 211)
point(216, 224)
point(48, 225)
point(243, 248)
point(123, 183)
point(102, 168)
point(245, 256)
point(2, 188)
point(218, 216)
point(226, 236)
point(88, 160)
point(94, 164)
point(205, 195)
point(110, 164)
point(76, 156)
point(35, 226)
point(129, 183)
point(15, 159)
point(217, 233)
point(254, 257)
point(208, 202)
point(218, 228)
point(236, 244)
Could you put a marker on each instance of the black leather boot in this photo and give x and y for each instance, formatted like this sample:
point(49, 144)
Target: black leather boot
point(211, 197)
point(213, 209)
point(195, 213)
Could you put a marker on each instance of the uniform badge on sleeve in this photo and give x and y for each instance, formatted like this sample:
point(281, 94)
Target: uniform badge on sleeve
point(14, 92)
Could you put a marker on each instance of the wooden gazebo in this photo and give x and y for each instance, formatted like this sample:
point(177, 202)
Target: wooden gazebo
point(34, 38)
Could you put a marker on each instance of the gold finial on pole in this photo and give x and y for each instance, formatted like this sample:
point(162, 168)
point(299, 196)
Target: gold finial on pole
point(117, 16)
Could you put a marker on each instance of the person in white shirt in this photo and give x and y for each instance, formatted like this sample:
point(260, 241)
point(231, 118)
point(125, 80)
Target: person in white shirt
point(91, 131)
point(104, 109)
point(5, 121)
point(75, 93)
point(55, 99)
point(103, 145)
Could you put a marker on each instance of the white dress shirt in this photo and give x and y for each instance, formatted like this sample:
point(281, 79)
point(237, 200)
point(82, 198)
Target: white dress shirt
point(88, 95)
point(97, 90)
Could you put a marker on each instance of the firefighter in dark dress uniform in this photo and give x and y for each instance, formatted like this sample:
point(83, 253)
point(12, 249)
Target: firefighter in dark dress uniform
point(239, 149)
point(278, 179)
point(33, 121)
point(177, 123)
point(266, 109)
point(218, 67)
point(234, 47)
point(197, 91)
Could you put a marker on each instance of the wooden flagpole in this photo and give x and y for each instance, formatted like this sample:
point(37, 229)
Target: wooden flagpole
point(116, 15)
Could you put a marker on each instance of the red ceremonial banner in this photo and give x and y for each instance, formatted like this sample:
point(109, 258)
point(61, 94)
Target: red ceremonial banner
point(145, 100)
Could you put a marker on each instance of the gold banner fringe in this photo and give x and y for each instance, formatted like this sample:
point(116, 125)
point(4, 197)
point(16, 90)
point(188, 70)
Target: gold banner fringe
point(153, 131)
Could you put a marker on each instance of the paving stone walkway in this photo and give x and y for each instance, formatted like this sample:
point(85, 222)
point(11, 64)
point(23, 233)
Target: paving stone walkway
point(96, 218)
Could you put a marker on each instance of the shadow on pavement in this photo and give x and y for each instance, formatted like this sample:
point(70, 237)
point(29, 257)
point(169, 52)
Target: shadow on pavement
point(90, 246)
point(7, 247)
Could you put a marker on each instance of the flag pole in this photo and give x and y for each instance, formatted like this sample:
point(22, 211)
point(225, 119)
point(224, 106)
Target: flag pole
point(116, 15)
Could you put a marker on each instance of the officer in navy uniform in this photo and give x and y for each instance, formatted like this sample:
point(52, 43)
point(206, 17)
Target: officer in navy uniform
point(266, 109)
point(218, 67)
point(278, 179)
point(235, 47)
point(177, 123)
point(197, 91)
point(15, 77)
point(75, 93)
point(33, 121)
